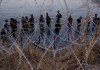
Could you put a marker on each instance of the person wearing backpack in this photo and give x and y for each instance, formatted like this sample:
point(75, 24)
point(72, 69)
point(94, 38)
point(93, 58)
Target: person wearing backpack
point(41, 21)
point(31, 21)
point(58, 16)
point(48, 21)
point(95, 20)
point(69, 24)
point(58, 25)
point(79, 24)
point(3, 35)
point(6, 25)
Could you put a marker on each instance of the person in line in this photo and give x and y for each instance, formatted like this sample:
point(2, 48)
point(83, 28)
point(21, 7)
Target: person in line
point(58, 25)
point(95, 19)
point(3, 36)
point(6, 25)
point(42, 21)
point(58, 16)
point(31, 20)
point(88, 28)
point(23, 21)
point(79, 24)
point(98, 24)
point(57, 29)
point(13, 24)
point(70, 21)
point(57, 33)
point(26, 27)
point(48, 21)
point(98, 21)
point(3, 33)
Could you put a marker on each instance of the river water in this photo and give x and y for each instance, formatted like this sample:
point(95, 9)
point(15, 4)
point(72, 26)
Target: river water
point(18, 8)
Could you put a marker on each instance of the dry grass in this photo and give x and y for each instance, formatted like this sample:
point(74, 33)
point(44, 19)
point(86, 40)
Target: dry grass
point(64, 59)
point(74, 57)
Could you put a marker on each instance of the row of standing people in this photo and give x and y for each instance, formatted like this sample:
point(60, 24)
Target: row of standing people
point(92, 25)
point(28, 24)
point(95, 22)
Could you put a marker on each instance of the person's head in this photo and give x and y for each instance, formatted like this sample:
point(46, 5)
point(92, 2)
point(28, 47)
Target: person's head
point(80, 17)
point(6, 20)
point(26, 17)
point(58, 11)
point(3, 29)
point(11, 18)
point(31, 15)
point(22, 17)
point(47, 14)
point(41, 15)
point(96, 15)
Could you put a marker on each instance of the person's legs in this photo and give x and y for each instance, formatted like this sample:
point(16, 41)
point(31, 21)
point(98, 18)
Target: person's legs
point(41, 30)
point(48, 33)
point(78, 28)
point(31, 27)
point(93, 27)
point(69, 31)
point(58, 21)
point(48, 24)
point(14, 34)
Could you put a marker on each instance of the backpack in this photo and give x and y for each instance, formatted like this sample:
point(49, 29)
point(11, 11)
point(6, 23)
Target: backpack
point(60, 16)
point(41, 19)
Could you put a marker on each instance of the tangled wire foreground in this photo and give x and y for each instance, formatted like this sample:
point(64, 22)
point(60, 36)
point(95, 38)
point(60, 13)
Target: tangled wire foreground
point(80, 54)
